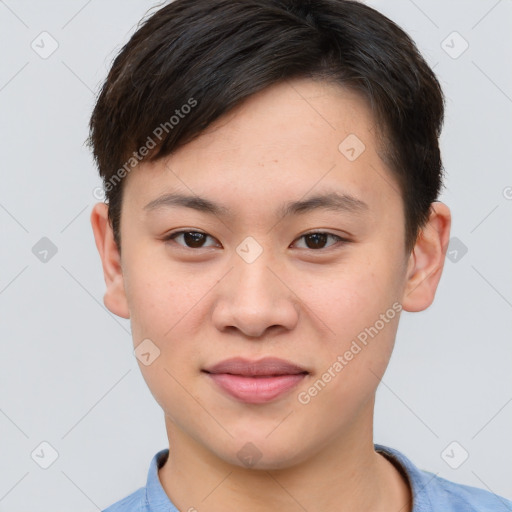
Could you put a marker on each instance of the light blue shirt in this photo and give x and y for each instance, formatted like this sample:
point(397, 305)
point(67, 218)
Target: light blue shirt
point(430, 493)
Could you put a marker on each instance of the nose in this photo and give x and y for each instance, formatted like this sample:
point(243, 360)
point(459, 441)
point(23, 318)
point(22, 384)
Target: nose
point(254, 299)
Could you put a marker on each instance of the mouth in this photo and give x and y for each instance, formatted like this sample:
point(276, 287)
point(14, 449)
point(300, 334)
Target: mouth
point(255, 382)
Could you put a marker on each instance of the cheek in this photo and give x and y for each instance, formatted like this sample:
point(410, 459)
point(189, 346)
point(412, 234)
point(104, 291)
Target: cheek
point(166, 309)
point(160, 299)
point(359, 305)
point(348, 296)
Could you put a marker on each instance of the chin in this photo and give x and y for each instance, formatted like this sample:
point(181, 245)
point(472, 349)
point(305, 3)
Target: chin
point(263, 454)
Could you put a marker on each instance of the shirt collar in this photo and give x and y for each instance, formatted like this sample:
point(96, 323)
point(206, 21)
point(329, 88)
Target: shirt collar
point(418, 480)
point(156, 498)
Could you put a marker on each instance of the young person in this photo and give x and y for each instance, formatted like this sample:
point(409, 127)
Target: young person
point(272, 170)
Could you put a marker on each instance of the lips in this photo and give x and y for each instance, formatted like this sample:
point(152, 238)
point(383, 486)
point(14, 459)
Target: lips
point(268, 366)
point(255, 382)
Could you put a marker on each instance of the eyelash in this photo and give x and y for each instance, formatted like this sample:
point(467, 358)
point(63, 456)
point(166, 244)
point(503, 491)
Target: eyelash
point(340, 240)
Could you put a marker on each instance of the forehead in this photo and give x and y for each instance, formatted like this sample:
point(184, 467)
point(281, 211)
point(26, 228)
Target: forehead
point(294, 119)
point(290, 140)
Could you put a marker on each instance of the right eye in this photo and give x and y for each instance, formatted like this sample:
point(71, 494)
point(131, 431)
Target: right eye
point(191, 239)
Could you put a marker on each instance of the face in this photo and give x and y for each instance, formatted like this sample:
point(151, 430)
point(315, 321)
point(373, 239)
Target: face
point(298, 256)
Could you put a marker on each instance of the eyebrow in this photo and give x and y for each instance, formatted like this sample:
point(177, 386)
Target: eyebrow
point(332, 201)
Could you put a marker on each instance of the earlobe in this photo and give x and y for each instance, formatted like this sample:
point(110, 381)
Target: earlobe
point(426, 261)
point(115, 296)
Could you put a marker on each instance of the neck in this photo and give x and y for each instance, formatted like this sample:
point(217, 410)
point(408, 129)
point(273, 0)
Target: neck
point(344, 475)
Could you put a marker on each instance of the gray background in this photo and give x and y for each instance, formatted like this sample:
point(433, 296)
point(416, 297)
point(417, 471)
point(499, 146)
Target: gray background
point(68, 376)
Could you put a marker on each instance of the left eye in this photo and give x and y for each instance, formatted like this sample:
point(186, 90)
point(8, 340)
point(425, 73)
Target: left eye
point(195, 239)
point(317, 240)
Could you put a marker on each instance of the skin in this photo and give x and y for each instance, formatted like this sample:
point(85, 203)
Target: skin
point(299, 301)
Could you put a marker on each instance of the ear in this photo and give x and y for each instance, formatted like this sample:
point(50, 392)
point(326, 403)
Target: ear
point(426, 261)
point(115, 297)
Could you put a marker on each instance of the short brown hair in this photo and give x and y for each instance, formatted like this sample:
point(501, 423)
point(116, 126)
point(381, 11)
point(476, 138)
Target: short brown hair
point(211, 55)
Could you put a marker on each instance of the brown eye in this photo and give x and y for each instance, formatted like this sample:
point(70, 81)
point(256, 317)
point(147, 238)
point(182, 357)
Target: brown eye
point(190, 239)
point(196, 240)
point(318, 240)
